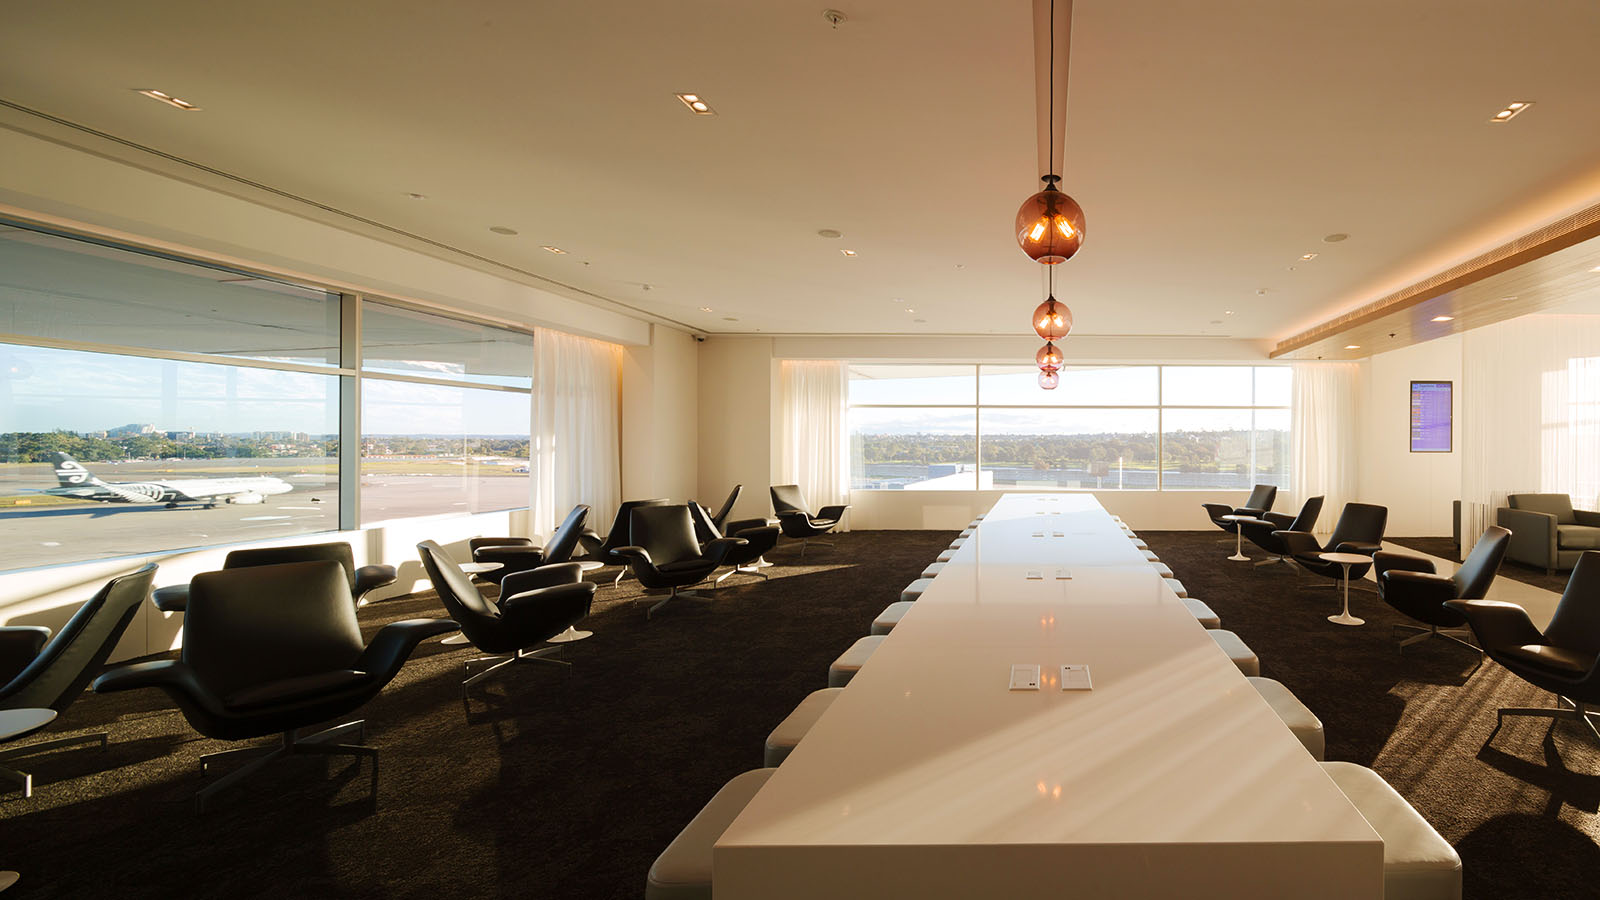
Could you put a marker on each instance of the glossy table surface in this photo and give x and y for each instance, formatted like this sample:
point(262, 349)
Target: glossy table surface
point(927, 777)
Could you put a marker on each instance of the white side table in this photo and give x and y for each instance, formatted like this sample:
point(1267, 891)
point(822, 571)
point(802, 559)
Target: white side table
point(1346, 560)
point(1238, 537)
point(15, 723)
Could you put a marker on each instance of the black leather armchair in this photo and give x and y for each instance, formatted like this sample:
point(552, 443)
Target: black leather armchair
point(665, 554)
point(605, 550)
point(1258, 504)
point(759, 537)
point(534, 606)
point(1359, 530)
point(1563, 659)
point(796, 520)
point(1410, 585)
point(1546, 532)
point(275, 648)
point(1263, 531)
point(39, 673)
point(175, 598)
point(519, 554)
point(719, 519)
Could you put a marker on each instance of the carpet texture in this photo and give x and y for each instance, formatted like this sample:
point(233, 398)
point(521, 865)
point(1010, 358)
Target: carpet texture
point(549, 784)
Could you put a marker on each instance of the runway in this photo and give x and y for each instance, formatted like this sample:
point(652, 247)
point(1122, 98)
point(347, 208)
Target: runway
point(45, 535)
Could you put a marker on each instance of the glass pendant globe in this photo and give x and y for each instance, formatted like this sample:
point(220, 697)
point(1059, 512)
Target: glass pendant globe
point(1052, 320)
point(1049, 356)
point(1049, 379)
point(1050, 225)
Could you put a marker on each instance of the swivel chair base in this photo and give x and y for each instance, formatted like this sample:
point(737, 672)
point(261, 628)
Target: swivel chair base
point(806, 542)
point(1579, 712)
point(1458, 635)
point(675, 594)
point(322, 743)
point(24, 779)
point(570, 635)
point(505, 659)
point(1279, 559)
point(750, 569)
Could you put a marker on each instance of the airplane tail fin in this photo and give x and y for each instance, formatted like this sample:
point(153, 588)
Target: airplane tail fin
point(71, 473)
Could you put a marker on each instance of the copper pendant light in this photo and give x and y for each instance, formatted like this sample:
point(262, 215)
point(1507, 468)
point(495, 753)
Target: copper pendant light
point(1049, 379)
point(1050, 224)
point(1052, 319)
point(1049, 356)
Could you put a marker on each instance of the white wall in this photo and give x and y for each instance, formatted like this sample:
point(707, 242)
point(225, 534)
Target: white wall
point(660, 417)
point(737, 407)
point(1418, 488)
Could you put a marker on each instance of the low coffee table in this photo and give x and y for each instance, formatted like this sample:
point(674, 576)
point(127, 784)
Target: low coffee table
point(1238, 536)
point(1346, 560)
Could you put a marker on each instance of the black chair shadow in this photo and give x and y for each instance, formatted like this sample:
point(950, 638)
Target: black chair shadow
point(1576, 786)
point(1571, 856)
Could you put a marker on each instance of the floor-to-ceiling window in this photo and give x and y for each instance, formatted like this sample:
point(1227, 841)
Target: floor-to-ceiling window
point(1123, 427)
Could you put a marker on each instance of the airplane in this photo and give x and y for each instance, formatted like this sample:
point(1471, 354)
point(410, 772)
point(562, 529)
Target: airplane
point(79, 484)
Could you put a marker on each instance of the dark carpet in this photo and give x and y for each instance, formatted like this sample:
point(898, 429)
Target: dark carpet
point(1445, 548)
point(546, 784)
point(1520, 809)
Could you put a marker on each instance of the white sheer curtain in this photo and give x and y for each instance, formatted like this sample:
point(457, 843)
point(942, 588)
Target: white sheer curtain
point(1530, 414)
point(1323, 437)
point(576, 456)
point(815, 394)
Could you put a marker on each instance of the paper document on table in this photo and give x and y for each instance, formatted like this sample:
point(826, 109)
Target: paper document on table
point(1075, 677)
point(1024, 677)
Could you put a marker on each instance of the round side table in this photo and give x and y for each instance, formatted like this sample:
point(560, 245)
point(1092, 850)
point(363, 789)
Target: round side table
point(15, 723)
point(1238, 536)
point(1346, 560)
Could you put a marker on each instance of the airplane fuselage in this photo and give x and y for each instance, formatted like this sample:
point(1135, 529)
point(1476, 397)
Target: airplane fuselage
point(185, 490)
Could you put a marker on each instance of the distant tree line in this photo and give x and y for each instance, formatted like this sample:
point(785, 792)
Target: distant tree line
point(34, 446)
point(1188, 451)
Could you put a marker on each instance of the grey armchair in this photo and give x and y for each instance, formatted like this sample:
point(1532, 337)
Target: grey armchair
point(1546, 532)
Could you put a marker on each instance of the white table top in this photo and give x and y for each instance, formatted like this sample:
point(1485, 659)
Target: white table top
point(928, 778)
point(18, 722)
point(1345, 559)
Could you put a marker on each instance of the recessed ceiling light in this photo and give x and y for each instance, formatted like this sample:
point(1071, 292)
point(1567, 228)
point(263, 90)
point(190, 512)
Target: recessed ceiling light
point(1227, 312)
point(829, 232)
point(1308, 256)
point(706, 309)
point(1507, 299)
point(416, 196)
point(1442, 319)
point(501, 229)
point(168, 99)
point(1335, 238)
point(1513, 109)
point(696, 105)
point(850, 253)
point(1352, 346)
point(556, 250)
point(910, 310)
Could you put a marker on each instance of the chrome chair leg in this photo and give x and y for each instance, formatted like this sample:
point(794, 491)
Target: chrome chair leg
point(1456, 635)
point(98, 737)
point(675, 594)
point(502, 660)
point(1578, 713)
point(320, 743)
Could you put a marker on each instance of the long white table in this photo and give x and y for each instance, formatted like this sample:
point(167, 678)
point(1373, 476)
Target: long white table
point(928, 778)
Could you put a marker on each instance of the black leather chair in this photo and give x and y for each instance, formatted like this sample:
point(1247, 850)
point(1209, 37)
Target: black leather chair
point(758, 535)
point(1263, 531)
point(665, 554)
point(719, 519)
point(175, 598)
point(1359, 530)
point(605, 550)
point(275, 648)
point(1256, 505)
point(519, 554)
point(39, 673)
point(534, 606)
point(1410, 585)
point(1563, 659)
point(796, 520)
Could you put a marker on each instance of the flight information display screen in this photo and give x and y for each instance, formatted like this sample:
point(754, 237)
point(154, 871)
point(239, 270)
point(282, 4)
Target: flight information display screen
point(1430, 416)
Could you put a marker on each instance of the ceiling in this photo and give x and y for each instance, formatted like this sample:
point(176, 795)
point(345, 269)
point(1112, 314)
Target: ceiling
point(1211, 145)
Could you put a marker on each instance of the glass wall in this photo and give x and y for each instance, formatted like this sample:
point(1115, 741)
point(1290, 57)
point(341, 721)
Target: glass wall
point(149, 403)
point(1105, 428)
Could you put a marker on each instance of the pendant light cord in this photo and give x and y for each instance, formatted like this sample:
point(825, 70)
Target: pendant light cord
point(1051, 162)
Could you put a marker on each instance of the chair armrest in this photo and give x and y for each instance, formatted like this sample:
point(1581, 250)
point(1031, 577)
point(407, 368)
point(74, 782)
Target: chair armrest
point(835, 513)
point(633, 554)
point(590, 541)
point(792, 513)
point(553, 607)
point(718, 550)
point(1250, 511)
point(174, 598)
point(369, 578)
point(168, 674)
point(1299, 543)
point(1386, 561)
point(1362, 547)
point(19, 645)
point(1419, 585)
point(1586, 517)
point(1498, 624)
point(1533, 535)
point(542, 577)
point(733, 528)
point(1281, 520)
point(393, 644)
point(1217, 510)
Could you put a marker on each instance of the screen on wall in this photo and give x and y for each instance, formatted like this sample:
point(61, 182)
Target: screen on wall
point(1430, 416)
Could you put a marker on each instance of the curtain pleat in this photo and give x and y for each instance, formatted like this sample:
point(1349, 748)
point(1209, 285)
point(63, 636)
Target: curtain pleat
point(815, 393)
point(1324, 438)
point(575, 435)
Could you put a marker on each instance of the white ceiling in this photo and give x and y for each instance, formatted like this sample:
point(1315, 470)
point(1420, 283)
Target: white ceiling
point(1210, 144)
